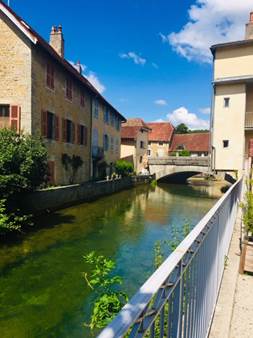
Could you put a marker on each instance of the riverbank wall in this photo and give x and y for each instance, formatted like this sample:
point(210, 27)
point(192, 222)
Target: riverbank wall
point(55, 198)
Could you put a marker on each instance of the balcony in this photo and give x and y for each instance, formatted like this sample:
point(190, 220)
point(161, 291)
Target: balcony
point(249, 121)
point(97, 153)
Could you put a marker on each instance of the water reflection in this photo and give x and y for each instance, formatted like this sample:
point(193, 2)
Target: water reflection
point(42, 293)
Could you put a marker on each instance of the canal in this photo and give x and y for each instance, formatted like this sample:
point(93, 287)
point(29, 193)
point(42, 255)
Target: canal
point(42, 291)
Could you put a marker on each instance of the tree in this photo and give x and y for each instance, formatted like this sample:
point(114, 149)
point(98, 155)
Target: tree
point(182, 129)
point(23, 167)
point(124, 168)
point(23, 163)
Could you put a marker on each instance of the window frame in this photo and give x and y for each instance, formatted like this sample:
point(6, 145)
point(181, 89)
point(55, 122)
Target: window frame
point(9, 110)
point(50, 76)
point(226, 101)
point(225, 143)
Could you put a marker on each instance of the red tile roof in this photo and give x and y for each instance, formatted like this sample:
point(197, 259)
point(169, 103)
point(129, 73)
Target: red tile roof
point(161, 131)
point(193, 142)
point(46, 46)
point(129, 132)
point(136, 122)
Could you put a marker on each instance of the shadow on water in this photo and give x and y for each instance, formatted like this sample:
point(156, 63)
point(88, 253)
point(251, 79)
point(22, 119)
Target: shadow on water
point(42, 292)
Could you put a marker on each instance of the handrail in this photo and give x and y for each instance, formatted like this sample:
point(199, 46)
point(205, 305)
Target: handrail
point(140, 301)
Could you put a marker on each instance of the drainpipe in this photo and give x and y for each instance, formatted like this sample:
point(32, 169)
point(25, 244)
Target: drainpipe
point(212, 150)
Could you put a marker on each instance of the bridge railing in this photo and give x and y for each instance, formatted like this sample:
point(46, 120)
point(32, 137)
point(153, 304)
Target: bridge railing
point(179, 299)
point(180, 160)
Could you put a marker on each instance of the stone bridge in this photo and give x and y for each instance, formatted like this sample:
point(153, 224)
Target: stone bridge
point(178, 168)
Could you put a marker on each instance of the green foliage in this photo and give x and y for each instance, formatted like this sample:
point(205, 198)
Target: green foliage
point(153, 183)
point(247, 207)
point(184, 152)
point(162, 246)
point(109, 300)
point(10, 221)
point(124, 168)
point(73, 163)
point(181, 129)
point(23, 162)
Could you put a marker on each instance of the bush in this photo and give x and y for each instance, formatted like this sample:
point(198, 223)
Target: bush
point(184, 153)
point(23, 163)
point(23, 167)
point(124, 168)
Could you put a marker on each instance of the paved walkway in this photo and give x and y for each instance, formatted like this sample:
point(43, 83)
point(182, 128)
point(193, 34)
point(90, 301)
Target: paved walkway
point(233, 317)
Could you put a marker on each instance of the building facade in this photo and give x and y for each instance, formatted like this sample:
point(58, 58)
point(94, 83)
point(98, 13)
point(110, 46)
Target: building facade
point(134, 143)
point(44, 95)
point(106, 138)
point(232, 113)
point(197, 144)
point(159, 139)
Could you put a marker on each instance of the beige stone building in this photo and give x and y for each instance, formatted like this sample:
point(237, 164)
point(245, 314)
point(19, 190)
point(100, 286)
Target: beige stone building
point(232, 113)
point(43, 94)
point(159, 139)
point(106, 134)
point(134, 143)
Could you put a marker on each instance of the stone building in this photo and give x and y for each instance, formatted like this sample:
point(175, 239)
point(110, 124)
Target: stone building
point(134, 143)
point(41, 93)
point(197, 144)
point(159, 139)
point(232, 113)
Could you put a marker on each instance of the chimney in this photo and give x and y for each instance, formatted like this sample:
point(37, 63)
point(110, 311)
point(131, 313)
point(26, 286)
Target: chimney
point(249, 28)
point(78, 67)
point(57, 40)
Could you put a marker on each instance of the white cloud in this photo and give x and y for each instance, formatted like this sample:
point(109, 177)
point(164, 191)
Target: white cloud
point(210, 22)
point(137, 59)
point(91, 76)
point(159, 120)
point(155, 65)
point(182, 115)
point(94, 80)
point(161, 102)
point(205, 111)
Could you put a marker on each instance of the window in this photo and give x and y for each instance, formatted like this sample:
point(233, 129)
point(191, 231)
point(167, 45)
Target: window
point(117, 145)
point(112, 118)
point(226, 102)
point(149, 152)
point(95, 108)
point(225, 143)
point(69, 89)
point(95, 137)
point(106, 142)
point(140, 159)
point(160, 143)
point(68, 131)
point(82, 100)
point(50, 125)
point(106, 115)
point(4, 110)
point(117, 122)
point(81, 134)
point(142, 145)
point(50, 75)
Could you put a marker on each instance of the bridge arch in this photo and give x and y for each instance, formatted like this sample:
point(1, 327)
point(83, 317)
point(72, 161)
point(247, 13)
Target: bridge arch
point(178, 177)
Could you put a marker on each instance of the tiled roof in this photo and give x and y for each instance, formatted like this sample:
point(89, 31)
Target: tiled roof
point(136, 122)
point(129, 132)
point(38, 40)
point(192, 142)
point(161, 131)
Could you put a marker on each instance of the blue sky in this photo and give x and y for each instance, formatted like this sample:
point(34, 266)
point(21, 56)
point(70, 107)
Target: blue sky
point(150, 58)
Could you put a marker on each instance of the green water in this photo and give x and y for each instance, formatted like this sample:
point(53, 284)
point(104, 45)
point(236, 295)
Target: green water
point(42, 292)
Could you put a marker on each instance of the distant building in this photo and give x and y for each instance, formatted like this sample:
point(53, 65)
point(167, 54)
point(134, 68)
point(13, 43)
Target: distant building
point(134, 143)
point(159, 139)
point(197, 144)
point(232, 114)
point(41, 93)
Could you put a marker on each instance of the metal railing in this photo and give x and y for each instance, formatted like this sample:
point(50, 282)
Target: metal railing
point(180, 161)
point(179, 299)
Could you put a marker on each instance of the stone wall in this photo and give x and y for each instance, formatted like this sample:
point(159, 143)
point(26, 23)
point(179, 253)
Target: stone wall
point(60, 197)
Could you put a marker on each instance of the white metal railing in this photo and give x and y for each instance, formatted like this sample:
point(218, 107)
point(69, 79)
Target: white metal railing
point(248, 120)
point(179, 299)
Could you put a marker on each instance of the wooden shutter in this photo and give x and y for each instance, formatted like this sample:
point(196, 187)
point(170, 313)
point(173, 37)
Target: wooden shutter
point(44, 123)
point(57, 130)
point(78, 134)
point(73, 131)
point(64, 130)
point(52, 77)
point(85, 136)
point(51, 172)
point(15, 113)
